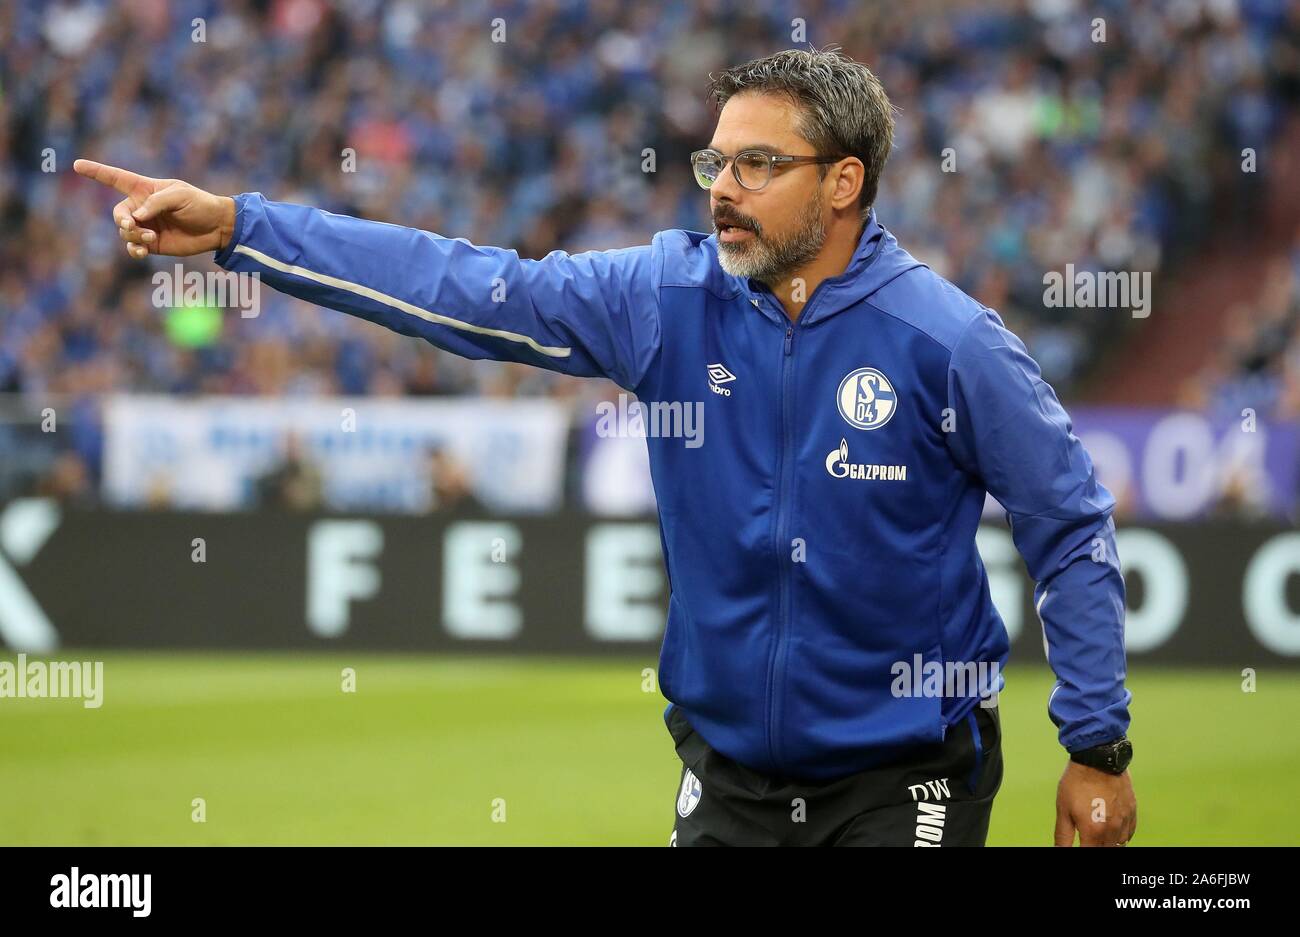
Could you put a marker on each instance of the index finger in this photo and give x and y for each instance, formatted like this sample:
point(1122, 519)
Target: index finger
point(121, 179)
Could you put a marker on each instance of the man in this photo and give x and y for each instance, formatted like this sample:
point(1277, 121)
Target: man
point(820, 544)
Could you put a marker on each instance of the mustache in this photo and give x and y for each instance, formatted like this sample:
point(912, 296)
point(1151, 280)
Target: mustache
point(724, 216)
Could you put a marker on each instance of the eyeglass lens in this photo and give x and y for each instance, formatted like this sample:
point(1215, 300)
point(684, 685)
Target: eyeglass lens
point(753, 167)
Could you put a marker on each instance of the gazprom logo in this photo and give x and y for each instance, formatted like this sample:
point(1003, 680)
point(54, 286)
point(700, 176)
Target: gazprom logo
point(839, 466)
point(866, 398)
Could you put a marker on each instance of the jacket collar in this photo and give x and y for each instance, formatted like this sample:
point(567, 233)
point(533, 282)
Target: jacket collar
point(877, 260)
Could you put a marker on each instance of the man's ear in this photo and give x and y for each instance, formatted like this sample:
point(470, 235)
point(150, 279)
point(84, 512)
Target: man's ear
point(849, 176)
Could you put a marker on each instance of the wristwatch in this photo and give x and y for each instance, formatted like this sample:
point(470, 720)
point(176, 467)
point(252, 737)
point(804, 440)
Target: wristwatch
point(1111, 757)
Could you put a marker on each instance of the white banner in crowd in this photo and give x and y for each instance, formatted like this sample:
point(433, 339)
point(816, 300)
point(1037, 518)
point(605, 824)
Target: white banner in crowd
point(372, 454)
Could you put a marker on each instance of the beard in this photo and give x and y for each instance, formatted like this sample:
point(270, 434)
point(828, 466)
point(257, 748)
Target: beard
point(770, 260)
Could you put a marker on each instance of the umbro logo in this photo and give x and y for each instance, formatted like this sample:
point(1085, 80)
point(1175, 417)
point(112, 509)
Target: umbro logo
point(718, 374)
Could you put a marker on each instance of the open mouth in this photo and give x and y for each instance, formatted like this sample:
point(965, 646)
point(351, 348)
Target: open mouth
point(730, 232)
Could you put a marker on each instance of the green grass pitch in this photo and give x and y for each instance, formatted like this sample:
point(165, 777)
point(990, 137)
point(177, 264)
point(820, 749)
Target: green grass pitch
point(428, 748)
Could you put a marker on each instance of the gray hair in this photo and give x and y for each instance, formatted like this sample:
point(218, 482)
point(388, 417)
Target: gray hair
point(843, 108)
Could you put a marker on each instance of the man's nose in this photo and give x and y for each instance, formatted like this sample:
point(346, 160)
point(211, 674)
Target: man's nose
point(725, 187)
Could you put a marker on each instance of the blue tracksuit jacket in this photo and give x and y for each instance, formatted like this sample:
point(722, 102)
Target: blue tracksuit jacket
point(823, 535)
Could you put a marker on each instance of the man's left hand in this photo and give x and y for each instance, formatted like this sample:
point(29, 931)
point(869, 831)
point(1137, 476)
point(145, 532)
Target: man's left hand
point(1101, 807)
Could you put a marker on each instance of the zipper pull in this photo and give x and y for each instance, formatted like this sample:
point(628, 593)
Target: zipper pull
point(789, 338)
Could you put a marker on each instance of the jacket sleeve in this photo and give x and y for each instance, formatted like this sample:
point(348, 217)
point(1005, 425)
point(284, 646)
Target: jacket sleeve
point(592, 315)
point(1012, 433)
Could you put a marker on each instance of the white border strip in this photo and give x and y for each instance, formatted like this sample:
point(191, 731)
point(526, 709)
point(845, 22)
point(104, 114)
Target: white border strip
point(1046, 652)
point(400, 305)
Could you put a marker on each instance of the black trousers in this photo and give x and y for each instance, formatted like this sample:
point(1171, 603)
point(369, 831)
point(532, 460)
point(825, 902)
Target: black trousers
point(940, 797)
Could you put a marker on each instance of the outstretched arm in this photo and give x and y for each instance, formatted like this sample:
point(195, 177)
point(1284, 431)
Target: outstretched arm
point(594, 314)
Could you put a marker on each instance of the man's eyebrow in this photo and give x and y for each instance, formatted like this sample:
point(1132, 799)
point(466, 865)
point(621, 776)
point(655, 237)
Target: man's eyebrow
point(763, 147)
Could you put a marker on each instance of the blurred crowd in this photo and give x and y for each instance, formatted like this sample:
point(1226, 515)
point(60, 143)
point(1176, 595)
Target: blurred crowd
point(1257, 365)
point(1106, 135)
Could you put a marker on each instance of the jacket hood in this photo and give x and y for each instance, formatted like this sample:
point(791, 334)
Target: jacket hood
point(877, 261)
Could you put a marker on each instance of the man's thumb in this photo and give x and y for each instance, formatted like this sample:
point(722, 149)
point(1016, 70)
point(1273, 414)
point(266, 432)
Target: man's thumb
point(1064, 835)
point(168, 199)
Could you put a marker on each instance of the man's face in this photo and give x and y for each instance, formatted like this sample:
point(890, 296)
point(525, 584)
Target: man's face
point(769, 234)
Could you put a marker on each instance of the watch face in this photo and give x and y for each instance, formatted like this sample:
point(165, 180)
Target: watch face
point(1123, 755)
